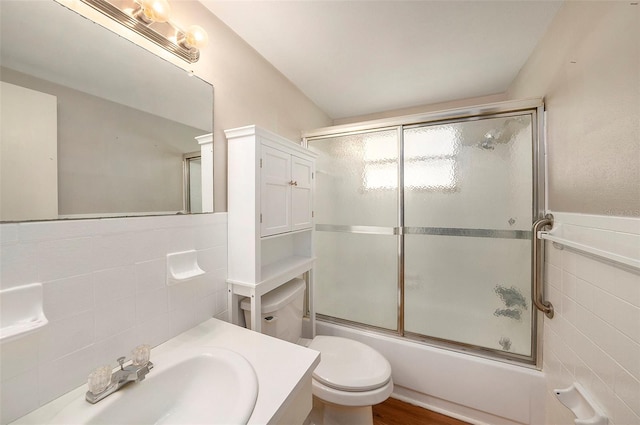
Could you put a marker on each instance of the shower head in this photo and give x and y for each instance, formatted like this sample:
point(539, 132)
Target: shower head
point(488, 142)
point(503, 135)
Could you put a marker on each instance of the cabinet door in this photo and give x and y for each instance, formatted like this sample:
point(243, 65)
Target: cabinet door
point(275, 178)
point(301, 200)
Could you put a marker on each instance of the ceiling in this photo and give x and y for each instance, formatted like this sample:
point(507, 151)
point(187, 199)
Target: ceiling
point(359, 57)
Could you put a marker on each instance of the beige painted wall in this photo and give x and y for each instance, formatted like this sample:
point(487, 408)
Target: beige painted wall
point(248, 90)
point(587, 67)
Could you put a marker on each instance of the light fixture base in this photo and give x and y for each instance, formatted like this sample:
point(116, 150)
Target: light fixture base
point(190, 55)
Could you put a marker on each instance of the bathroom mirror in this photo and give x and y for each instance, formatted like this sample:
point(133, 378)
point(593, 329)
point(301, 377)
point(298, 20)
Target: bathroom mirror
point(93, 124)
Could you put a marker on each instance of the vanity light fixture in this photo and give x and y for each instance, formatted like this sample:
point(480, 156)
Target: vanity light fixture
point(152, 20)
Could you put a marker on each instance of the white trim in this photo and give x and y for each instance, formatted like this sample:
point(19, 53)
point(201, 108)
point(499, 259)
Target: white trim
point(490, 108)
point(206, 165)
point(545, 159)
point(205, 138)
point(273, 139)
point(447, 408)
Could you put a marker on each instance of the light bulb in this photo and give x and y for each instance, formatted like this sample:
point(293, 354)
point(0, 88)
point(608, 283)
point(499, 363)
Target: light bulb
point(195, 36)
point(156, 10)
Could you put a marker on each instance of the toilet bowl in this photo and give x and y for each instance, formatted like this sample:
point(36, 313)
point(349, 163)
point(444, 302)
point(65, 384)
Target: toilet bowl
point(351, 376)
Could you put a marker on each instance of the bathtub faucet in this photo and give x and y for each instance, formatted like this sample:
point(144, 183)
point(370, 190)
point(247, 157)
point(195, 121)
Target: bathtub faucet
point(119, 378)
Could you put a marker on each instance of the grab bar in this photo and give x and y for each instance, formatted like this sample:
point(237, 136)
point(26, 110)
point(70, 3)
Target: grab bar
point(544, 306)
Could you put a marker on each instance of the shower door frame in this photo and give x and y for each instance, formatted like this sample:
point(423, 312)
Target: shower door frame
point(535, 107)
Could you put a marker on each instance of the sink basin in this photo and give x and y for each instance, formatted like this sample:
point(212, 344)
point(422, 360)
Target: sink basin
point(214, 386)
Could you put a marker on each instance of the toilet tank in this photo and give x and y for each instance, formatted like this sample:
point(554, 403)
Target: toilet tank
point(281, 311)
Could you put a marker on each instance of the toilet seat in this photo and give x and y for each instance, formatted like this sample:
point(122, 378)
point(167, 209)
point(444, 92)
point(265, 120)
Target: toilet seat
point(351, 398)
point(349, 366)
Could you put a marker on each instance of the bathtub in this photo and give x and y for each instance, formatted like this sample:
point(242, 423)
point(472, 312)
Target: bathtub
point(470, 388)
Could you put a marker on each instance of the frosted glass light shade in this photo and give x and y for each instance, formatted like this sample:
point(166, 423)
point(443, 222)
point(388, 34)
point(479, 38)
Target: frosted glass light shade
point(196, 36)
point(156, 10)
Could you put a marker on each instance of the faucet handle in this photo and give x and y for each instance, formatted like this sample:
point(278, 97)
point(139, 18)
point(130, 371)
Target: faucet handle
point(121, 362)
point(99, 379)
point(141, 355)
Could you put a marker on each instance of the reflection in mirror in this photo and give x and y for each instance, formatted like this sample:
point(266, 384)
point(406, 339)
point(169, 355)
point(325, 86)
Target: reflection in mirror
point(193, 180)
point(92, 124)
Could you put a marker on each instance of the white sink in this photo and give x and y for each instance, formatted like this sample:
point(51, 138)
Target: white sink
point(210, 386)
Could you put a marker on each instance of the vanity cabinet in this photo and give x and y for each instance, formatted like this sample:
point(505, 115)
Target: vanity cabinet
point(270, 216)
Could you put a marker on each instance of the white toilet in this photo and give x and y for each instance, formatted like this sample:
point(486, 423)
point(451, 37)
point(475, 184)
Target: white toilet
point(351, 376)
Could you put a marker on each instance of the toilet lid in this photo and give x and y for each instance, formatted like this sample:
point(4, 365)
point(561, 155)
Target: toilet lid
point(349, 365)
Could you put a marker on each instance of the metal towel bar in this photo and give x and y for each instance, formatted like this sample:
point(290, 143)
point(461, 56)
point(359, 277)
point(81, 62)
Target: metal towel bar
point(543, 224)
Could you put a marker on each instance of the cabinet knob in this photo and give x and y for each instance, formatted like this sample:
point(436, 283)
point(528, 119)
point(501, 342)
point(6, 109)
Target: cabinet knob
point(293, 183)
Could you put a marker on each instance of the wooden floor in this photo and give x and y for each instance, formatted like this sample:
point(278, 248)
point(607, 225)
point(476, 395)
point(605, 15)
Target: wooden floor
point(396, 412)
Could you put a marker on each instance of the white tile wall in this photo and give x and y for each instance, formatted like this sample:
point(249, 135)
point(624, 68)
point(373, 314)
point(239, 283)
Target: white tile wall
point(104, 285)
point(594, 339)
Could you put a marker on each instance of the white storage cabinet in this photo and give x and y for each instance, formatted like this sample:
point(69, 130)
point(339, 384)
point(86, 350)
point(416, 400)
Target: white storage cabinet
point(270, 216)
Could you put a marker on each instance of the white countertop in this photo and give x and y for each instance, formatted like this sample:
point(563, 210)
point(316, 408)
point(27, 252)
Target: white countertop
point(281, 368)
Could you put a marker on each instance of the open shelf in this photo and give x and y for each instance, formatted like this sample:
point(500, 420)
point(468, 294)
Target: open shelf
point(282, 271)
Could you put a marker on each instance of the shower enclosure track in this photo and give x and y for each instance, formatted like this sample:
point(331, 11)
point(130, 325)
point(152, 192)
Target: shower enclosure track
point(432, 231)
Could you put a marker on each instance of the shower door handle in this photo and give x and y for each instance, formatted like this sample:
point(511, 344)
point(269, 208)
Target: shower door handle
point(544, 306)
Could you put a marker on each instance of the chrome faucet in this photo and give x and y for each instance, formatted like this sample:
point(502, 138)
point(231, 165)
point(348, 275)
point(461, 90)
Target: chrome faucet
point(119, 378)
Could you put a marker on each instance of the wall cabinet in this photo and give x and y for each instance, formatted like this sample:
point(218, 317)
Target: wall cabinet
point(285, 186)
point(270, 215)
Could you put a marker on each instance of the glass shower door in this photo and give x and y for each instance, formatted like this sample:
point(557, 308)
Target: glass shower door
point(468, 193)
point(356, 215)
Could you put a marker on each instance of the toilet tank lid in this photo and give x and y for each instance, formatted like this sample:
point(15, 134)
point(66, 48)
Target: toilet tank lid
point(279, 297)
